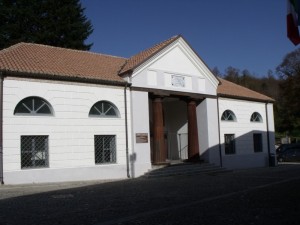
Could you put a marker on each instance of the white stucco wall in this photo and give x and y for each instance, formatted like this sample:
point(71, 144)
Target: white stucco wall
point(243, 130)
point(71, 131)
point(140, 157)
point(207, 119)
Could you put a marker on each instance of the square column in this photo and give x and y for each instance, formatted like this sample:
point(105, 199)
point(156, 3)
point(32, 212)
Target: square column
point(159, 150)
point(193, 142)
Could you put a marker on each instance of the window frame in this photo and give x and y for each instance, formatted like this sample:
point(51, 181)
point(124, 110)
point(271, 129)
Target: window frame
point(33, 152)
point(32, 111)
point(227, 118)
point(229, 148)
point(254, 117)
point(100, 153)
point(104, 115)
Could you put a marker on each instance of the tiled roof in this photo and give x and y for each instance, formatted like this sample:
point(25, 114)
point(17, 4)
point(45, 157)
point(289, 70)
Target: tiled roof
point(143, 56)
point(60, 62)
point(53, 62)
point(229, 89)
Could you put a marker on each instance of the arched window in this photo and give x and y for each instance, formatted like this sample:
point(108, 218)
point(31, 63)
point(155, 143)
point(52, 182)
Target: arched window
point(228, 115)
point(256, 117)
point(33, 106)
point(104, 109)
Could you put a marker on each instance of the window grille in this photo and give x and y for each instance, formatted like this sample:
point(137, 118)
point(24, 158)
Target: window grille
point(256, 117)
point(34, 151)
point(229, 144)
point(105, 149)
point(257, 142)
point(228, 116)
point(33, 106)
point(104, 109)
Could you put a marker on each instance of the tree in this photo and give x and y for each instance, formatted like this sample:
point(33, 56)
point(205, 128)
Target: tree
point(51, 22)
point(289, 72)
point(232, 74)
point(216, 72)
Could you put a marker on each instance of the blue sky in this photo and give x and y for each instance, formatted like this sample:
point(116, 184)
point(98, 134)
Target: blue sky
point(245, 34)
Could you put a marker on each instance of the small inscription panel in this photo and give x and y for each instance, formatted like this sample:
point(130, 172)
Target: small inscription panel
point(178, 81)
point(141, 137)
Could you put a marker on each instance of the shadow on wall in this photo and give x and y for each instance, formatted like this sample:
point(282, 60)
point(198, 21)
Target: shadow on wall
point(252, 149)
point(132, 159)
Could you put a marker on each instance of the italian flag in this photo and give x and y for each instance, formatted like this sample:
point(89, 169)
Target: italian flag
point(293, 20)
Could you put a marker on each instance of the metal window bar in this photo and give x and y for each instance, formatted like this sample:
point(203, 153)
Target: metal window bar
point(34, 151)
point(105, 149)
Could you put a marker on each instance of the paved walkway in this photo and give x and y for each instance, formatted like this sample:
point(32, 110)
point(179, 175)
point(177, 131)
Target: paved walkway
point(10, 191)
point(256, 196)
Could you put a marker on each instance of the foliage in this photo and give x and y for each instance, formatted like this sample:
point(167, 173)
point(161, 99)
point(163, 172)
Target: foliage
point(284, 89)
point(267, 85)
point(289, 72)
point(52, 22)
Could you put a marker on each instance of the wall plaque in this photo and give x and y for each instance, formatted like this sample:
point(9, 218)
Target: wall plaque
point(141, 137)
point(178, 81)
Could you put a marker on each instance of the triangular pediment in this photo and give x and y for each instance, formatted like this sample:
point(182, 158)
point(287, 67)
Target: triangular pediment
point(176, 67)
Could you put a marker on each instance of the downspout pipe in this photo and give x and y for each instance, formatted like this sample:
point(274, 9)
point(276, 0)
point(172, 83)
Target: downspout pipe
point(268, 138)
point(1, 129)
point(219, 133)
point(126, 131)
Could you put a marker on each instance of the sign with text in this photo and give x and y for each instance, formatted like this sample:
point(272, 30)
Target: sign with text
point(141, 137)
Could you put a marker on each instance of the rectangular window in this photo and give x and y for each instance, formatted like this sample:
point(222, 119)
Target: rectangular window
point(105, 149)
point(34, 151)
point(257, 142)
point(229, 144)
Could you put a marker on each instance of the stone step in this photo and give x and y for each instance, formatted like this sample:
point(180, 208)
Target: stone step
point(185, 169)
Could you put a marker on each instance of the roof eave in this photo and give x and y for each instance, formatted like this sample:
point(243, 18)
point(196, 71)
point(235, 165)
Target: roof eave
point(246, 98)
point(62, 78)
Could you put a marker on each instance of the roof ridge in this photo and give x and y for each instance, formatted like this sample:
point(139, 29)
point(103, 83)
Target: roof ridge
point(12, 47)
point(56, 47)
point(157, 44)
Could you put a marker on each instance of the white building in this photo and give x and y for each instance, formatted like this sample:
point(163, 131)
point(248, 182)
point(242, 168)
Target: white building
point(71, 115)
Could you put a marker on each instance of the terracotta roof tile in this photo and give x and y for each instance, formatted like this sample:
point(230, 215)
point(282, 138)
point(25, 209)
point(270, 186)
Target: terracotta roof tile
point(141, 57)
point(60, 62)
point(48, 60)
point(229, 89)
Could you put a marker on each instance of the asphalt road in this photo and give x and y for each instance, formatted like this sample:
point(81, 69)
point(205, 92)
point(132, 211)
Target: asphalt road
point(256, 196)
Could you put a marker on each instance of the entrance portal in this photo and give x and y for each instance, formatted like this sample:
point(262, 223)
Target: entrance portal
point(175, 129)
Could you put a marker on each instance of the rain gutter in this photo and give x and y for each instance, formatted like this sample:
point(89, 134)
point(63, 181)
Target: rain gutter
point(219, 133)
point(268, 138)
point(126, 129)
point(1, 129)
point(59, 77)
